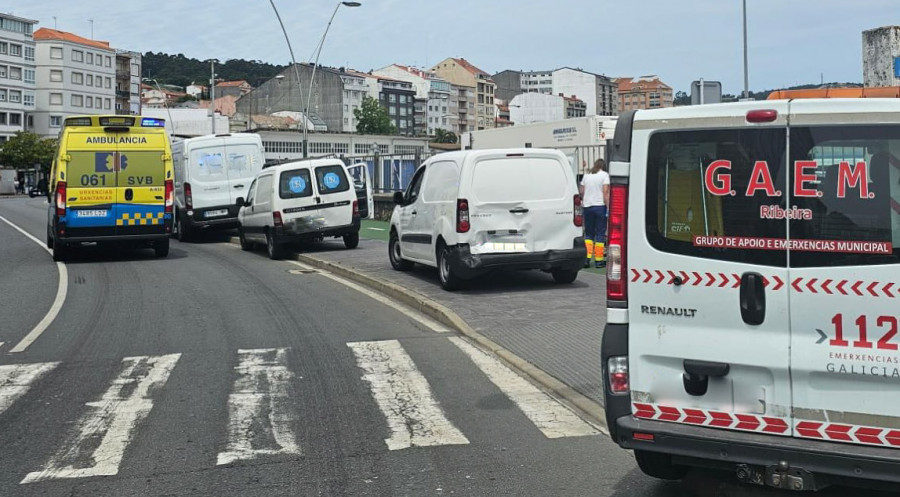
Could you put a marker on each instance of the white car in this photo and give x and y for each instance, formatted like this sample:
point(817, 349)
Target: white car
point(470, 212)
point(211, 172)
point(752, 283)
point(299, 201)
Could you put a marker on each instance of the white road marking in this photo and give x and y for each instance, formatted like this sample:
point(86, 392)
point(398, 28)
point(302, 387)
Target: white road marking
point(404, 396)
point(409, 312)
point(16, 379)
point(61, 290)
point(109, 425)
point(376, 229)
point(259, 413)
point(552, 418)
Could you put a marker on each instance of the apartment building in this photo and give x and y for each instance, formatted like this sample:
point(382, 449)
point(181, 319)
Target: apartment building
point(75, 75)
point(535, 107)
point(644, 92)
point(356, 86)
point(598, 92)
point(464, 74)
point(432, 106)
point(17, 75)
point(128, 82)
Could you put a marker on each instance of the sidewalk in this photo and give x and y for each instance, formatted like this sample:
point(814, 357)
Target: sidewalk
point(556, 328)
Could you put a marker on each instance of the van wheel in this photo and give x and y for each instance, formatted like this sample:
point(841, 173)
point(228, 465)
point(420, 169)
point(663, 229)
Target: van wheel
point(659, 465)
point(351, 240)
point(397, 260)
point(161, 248)
point(274, 249)
point(60, 252)
point(182, 232)
point(245, 244)
point(449, 281)
point(563, 276)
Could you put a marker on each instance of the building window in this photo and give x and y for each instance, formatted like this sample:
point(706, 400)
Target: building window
point(56, 75)
point(402, 99)
point(77, 55)
point(109, 82)
point(2, 95)
point(77, 78)
point(15, 119)
point(107, 103)
point(15, 72)
point(3, 119)
point(392, 110)
point(99, 60)
point(56, 99)
point(29, 76)
point(29, 53)
point(15, 50)
point(15, 96)
point(89, 102)
point(55, 121)
point(56, 53)
point(28, 99)
point(90, 58)
point(77, 101)
point(108, 61)
point(392, 98)
point(4, 48)
point(90, 80)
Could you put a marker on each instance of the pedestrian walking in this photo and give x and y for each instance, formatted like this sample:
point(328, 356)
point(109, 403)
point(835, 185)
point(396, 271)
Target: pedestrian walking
point(594, 191)
point(16, 185)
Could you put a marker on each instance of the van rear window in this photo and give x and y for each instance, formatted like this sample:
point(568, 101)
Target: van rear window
point(331, 179)
point(515, 179)
point(294, 183)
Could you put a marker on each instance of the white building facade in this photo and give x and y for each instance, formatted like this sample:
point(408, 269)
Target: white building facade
point(432, 97)
point(17, 75)
point(535, 107)
point(355, 88)
point(75, 76)
point(598, 92)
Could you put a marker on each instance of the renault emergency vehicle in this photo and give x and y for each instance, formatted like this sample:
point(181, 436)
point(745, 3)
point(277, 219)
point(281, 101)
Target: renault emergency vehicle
point(753, 291)
point(112, 180)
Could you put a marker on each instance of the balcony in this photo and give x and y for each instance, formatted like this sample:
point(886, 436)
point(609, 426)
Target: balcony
point(123, 94)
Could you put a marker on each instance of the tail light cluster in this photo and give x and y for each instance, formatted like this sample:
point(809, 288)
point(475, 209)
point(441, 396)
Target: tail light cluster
point(188, 199)
point(616, 282)
point(578, 217)
point(356, 208)
point(276, 219)
point(462, 216)
point(60, 198)
point(617, 369)
point(170, 196)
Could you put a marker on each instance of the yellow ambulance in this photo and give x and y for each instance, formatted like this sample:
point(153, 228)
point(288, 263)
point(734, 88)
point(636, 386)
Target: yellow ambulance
point(111, 180)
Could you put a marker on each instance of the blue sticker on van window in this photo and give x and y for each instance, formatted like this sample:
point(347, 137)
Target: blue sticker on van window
point(332, 181)
point(297, 184)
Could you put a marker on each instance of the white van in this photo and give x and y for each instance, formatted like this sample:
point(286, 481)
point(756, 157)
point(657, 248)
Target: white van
point(469, 212)
point(752, 286)
point(299, 201)
point(211, 172)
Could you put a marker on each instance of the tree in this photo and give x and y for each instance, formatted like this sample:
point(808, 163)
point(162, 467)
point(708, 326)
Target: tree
point(372, 118)
point(682, 98)
point(444, 136)
point(26, 149)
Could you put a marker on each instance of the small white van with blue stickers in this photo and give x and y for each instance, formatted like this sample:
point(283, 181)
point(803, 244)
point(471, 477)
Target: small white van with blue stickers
point(299, 201)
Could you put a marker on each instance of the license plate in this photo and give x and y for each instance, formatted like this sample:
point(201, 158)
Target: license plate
point(216, 213)
point(91, 213)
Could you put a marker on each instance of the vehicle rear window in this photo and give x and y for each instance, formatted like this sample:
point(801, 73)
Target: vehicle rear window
point(516, 179)
point(331, 179)
point(294, 183)
point(851, 197)
point(91, 169)
point(142, 168)
point(207, 164)
point(684, 217)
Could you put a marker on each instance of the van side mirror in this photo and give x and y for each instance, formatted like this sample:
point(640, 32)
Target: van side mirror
point(240, 202)
point(398, 198)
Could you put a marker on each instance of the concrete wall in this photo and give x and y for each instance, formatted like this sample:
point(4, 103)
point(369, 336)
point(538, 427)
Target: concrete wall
point(536, 108)
point(881, 56)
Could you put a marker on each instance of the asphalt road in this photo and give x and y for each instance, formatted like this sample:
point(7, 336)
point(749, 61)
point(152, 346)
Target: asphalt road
point(219, 372)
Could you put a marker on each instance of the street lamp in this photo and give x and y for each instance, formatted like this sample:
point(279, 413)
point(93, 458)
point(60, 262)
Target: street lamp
point(746, 77)
point(306, 119)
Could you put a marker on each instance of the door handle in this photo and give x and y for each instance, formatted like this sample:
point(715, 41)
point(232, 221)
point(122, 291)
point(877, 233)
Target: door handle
point(697, 374)
point(238, 186)
point(518, 210)
point(753, 298)
point(413, 213)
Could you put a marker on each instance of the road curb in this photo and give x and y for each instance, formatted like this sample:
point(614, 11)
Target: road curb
point(444, 315)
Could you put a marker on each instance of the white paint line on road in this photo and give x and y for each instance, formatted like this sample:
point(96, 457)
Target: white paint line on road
point(376, 229)
point(259, 413)
point(16, 379)
point(404, 397)
point(552, 418)
point(61, 291)
point(409, 312)
point(110, 423)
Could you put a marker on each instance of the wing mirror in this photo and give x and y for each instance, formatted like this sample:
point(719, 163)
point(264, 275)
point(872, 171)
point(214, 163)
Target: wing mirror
point(240, 202)
point(398, 198)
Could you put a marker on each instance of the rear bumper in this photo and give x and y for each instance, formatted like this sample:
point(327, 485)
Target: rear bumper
point(468, 265)
point(826, 463)
point(289, 234)
point(197, 219)
point(68, 235)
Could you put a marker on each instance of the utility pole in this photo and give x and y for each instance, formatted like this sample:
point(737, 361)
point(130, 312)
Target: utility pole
point(212, 94)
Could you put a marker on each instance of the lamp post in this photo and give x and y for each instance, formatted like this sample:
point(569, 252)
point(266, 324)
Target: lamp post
point(746, 77)
point(306, 119)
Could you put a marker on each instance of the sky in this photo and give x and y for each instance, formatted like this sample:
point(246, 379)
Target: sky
point(790, 42)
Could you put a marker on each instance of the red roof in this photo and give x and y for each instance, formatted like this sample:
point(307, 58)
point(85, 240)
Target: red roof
point(642, 83)
point(53, 34)
point(469, 67)
point(233, 83)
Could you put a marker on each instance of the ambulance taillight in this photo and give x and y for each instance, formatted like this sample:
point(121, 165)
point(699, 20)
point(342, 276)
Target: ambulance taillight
point(616, 268)
point(617, 371)
point(60, 198)
point(170, 195)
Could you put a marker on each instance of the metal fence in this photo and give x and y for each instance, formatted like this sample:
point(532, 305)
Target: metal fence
point(390, 172)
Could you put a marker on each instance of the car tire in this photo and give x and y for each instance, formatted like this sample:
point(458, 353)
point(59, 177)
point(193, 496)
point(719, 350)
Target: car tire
point(564, 276)
point(161, 248)
point(273, 248)
point(449, 280)
point(182, 231)
point(351, 240)
point(60, 252)
point(245, 244)
point(397, 260)
point(659, 465)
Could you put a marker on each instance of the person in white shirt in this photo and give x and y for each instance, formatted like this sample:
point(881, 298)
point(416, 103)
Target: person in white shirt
point(594, 192)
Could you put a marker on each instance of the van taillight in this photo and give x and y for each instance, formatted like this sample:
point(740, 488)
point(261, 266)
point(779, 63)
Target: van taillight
point(578, 218)
point(462, 216)
point(276, 218)
point(60, 198)
point(188, 199)
point(170, 196)
point(616, 281)
point(356, 208)
point(617, 371)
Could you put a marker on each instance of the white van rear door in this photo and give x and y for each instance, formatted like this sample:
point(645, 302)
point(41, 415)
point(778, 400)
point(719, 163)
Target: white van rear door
point(334, 195)
point(521, 203)
point(208, 175)
point(845, 274)
point(242, 163)
point(362, 185)
point(708, 318)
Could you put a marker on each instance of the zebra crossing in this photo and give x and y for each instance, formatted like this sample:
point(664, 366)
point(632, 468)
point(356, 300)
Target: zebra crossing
point(261, 419)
